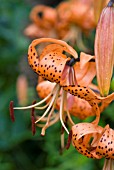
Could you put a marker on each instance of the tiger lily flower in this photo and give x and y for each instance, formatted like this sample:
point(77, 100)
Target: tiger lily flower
point(58, 70)
point(56, 67)
point(51, 65)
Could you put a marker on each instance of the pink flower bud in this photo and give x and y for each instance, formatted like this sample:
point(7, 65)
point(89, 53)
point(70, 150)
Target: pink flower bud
point(104, 48)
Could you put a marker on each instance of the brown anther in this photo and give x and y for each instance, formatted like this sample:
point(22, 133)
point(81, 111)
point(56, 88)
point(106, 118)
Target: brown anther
point(62, 130)
point(33, 120)
point(11, 111)
point(69, 140)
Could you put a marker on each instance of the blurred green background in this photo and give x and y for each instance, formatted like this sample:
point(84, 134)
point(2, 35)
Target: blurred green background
point(19, 150)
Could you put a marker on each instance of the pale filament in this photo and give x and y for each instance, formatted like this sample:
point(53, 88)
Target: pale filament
point(51, 103)
point(39, 103)
point(62, 110)
point(43, 107)
point(45, 118)
point(50, 114)
point(53, 121)
point(62, 140)
point(67, 111)
point(74, 76)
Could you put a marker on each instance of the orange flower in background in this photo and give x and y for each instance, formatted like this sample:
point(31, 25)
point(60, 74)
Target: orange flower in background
point(22, 87)
point(43, 22)
point(67, 21)
point(104, 49)
point(77, 12)
point(43, 16)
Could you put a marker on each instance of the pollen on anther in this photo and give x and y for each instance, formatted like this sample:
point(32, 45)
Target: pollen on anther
point(11, 111)
point(33, 120)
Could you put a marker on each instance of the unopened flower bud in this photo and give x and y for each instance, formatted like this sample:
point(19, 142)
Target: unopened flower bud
point(104, 48)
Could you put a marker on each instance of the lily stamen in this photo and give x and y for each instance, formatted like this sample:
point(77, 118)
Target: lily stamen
point(33, 120)
point(11, 111)
point(54, 98)
point(53, 120)
point(62, 110)
point(37, 104)
point(43, 107)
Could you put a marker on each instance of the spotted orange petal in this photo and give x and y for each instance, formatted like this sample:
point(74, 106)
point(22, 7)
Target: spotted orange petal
point(52, 65)
point(33, 58)
point(102, 144)
point(52, 53)
point(81, 135)
point(105, 147)
point(64, 45)
point(87, 94)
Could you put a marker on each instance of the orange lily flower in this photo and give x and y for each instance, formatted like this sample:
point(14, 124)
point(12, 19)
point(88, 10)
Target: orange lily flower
point(53, 65)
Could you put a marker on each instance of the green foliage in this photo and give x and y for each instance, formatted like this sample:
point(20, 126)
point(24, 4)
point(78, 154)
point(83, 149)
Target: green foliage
point(18, 148)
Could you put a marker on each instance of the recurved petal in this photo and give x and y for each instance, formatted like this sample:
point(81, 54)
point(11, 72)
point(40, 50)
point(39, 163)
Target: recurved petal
point(81, 135)
point(85, 70)
point(34, 56)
